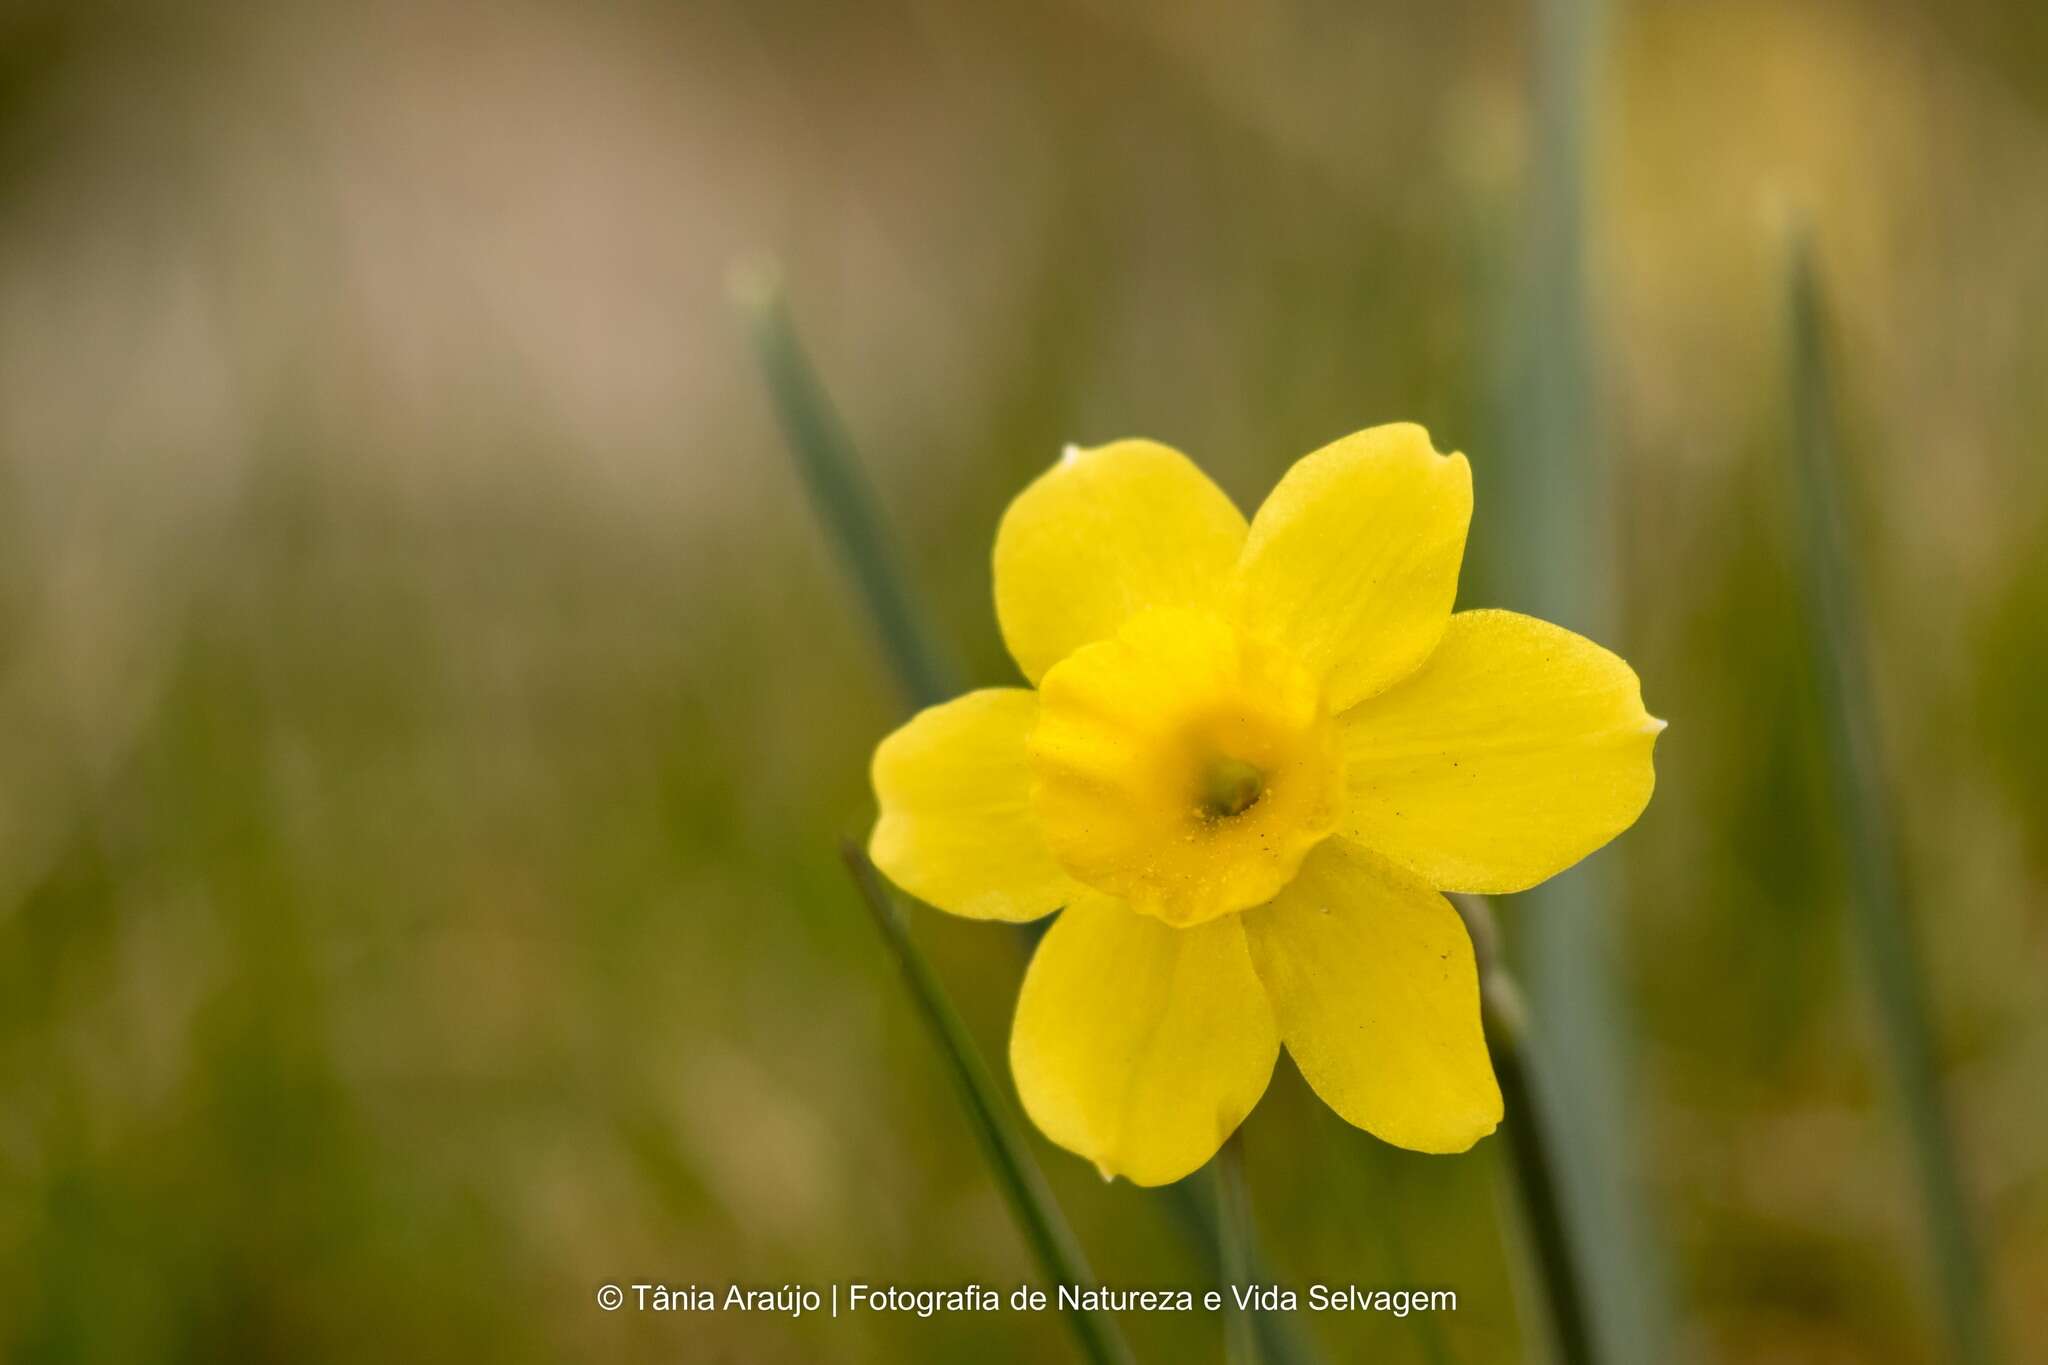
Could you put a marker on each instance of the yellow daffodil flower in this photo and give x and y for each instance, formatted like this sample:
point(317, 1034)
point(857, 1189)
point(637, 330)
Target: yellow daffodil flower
point(1254, 757)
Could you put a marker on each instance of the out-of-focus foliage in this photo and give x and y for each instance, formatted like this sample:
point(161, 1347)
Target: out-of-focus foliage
point(427, 713)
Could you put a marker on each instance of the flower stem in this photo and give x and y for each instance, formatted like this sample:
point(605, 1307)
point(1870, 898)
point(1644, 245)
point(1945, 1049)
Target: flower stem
point(1281, 1341)
point(1017, 1175)
point(1532, 1154)
point(1880, 917)
point(831, 472)
point(1233, 1248)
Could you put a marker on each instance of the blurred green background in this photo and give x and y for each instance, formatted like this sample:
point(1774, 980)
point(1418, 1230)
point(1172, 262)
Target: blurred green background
point(428, 708)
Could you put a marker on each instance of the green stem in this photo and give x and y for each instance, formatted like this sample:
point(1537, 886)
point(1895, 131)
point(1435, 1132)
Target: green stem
point(831, 472)
point(1280, 1336)
point(1017, 1175)
point(1839, 664)
point(1532, 1154)
point(1233, 1248)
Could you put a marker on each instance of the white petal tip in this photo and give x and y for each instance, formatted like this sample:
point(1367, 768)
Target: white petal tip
point(1070, 453)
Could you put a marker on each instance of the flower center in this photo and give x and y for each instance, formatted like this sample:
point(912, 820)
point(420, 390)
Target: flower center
point(1230, 787)
point(1185, 767)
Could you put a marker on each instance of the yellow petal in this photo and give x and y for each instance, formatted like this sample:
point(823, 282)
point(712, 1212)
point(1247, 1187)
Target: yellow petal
point(1515, 751)
point(1352, 562)
point(1139, 1046)
point(956, 829)
point(1103, 535)
point(1372, 979)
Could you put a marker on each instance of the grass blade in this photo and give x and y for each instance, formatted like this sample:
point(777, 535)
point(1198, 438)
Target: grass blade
point(1531, 1141)
point(1558, 567)
point(1879, 914)
point(1281, 1339)
point(1233, 1248)
point(1017, 1175)
point(831, 473)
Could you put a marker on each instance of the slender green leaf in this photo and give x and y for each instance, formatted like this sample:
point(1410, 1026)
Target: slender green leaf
point(1233, 1248)
point(1881, 919)
point(1532, 1155)
point(1017, 1175)
point(1280, 1336)
point(831, 473)
point(1427, 1328)
point(1557, 564)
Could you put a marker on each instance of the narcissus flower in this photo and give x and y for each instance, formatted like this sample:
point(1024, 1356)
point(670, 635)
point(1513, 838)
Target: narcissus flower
point(1254, 757)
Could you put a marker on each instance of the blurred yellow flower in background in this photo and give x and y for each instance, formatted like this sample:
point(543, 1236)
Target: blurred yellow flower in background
point(1255, 756)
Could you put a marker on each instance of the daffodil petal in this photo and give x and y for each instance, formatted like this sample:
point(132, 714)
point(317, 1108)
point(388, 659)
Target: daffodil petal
point(1515, 751)
point(1139, 1046)
point(1372, 979)
point(1102, 535)
point(956, 829)
point(1352, 561)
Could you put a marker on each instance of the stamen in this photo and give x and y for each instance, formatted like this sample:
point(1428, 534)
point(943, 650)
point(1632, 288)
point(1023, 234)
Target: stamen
point(1230, 787)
